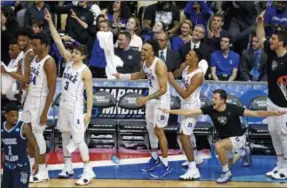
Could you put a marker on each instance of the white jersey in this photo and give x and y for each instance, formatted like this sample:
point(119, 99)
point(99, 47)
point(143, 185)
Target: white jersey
point(38, 86)
point(153, 80)
point(22, 62)
point(72, 93)
point(8, 83)
point(193, 101)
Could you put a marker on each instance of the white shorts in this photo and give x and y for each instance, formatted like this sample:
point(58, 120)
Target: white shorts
point(187, 124)
point(71, 119)
point(32, 111)
point(277, 123)
point(156, 116)
point(238, 142)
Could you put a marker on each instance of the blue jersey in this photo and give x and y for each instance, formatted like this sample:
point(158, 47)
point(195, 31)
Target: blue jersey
point(15, 146)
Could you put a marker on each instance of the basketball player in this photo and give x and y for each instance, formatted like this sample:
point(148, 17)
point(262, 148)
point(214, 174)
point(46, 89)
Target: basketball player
point(276, 65)
point(9, 84)
point(76, 78)
point(14, 136)
point(203, 65)
point(192, 78)
point(39, 98)
point(24, 42)
point(226, 120)
point(159, 96)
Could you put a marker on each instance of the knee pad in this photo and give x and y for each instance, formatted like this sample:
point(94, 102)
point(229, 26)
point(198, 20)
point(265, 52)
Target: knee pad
point(41, 141)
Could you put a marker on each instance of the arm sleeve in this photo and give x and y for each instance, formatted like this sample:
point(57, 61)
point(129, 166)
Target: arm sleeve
point(212, 61)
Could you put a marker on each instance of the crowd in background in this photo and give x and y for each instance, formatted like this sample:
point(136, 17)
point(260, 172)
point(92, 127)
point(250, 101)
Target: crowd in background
point(223, 31)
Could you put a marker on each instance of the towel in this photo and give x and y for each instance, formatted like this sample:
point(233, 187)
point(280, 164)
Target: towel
point(113, 61)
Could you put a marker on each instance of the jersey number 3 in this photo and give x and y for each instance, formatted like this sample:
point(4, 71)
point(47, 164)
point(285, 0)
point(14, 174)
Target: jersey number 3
point(66, 86)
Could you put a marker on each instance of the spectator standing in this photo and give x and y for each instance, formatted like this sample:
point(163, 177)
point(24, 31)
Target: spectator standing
point(130, 57)
point(165, 12)
point(215, 32)
point(197, 12)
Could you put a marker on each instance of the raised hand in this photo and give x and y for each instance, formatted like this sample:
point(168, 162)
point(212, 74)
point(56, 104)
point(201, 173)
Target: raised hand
point(47, 16)
point(73, 14)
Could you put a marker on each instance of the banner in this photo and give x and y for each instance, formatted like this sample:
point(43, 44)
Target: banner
point(243, 91)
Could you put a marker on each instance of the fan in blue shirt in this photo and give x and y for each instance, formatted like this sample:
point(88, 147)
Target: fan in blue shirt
point(224, 63)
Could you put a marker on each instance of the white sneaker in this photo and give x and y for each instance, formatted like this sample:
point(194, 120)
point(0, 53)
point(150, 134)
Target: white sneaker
point(190, 175)
point(198, 161)
point(40, 177)
point(66, 173)
point(86, 177)
point(280, 175)
point(273, 171)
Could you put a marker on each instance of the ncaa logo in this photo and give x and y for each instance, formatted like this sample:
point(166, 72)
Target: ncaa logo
point(274, 65)
point(222, 120)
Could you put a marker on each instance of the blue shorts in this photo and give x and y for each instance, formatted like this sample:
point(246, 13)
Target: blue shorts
point(16, 178)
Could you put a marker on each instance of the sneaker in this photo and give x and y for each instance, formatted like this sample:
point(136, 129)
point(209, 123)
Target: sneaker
point(40, 177)
point(86, 177)
point(224, 177)
point(247, 158)
point(198, 161)
point(151, 164)
point(65, 174)
point(273, 171)
point(190, 175)
point(161, 171)
point(280, 175)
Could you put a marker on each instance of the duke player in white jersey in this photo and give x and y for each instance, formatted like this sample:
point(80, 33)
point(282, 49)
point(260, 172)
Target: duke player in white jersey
point(24, 42)
point(192, 79)
point(9, 85)
point(72, 121)
point(39, 98)
point(159, 95)
point(276, 68)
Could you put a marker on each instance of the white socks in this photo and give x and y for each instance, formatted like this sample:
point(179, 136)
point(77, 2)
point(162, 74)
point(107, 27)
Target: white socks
point(154, 155)
point(225, 168)
point(165, 161)
point(192, 165)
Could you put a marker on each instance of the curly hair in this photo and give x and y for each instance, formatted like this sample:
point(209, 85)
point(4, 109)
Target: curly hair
point(124, 10)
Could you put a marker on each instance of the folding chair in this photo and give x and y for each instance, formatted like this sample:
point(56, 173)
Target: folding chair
point(102, 123)
point(132, 125)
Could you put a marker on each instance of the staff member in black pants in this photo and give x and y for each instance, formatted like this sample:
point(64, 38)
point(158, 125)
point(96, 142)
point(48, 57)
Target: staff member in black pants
point(226, 120)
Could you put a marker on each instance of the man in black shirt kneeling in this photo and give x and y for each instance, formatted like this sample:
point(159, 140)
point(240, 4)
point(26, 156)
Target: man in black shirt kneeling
point(226, 119)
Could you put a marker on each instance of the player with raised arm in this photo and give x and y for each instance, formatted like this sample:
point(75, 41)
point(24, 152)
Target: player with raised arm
point(276, 68)
point(226, 120)
point(159, 96)
point(77, 77)
point(14, 136)
point(189, 92)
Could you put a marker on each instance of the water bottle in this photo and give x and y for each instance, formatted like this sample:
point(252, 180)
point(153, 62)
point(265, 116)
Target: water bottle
point(115, 159)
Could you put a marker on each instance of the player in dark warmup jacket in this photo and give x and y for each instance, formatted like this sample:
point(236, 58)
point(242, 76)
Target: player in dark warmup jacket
point(14, 136)
point(226, 120)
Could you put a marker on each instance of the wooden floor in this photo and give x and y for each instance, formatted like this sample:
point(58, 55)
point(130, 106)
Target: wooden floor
point(153, 183)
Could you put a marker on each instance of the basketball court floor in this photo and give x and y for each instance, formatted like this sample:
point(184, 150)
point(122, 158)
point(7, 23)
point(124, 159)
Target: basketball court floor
point(128, 172)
